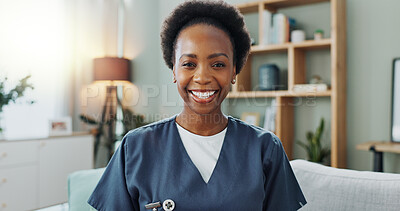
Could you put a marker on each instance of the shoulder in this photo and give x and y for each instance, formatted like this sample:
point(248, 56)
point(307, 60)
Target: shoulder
point(151, 128)
point(252, 131)
point(149, 134)
point(267, 141)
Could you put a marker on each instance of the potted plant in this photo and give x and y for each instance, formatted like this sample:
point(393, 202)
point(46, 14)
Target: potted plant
point(101, 133)
point(316, 153)
point(11, 95)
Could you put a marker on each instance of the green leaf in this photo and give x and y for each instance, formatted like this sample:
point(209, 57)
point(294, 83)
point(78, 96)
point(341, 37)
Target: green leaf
point(306, 147)
point(15, 93)
point(88, 120)
point(303, 145)
point(309, 136)
point(313, 146)
point(319, 130)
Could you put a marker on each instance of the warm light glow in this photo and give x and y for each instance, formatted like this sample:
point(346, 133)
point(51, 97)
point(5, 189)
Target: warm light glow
point(33, 41)
point(55, 41)
point(112, 83)
point(32, 38)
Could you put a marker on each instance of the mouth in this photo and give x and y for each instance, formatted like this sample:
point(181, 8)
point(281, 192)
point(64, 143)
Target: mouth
point(203, 96)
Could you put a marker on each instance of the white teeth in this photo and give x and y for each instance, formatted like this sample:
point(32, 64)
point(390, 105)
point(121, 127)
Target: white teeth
point(203, 95)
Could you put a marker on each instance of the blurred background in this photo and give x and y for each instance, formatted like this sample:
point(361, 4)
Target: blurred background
point(56, 42)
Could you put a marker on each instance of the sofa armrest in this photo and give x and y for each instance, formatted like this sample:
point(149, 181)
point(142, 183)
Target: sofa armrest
point(80, 186)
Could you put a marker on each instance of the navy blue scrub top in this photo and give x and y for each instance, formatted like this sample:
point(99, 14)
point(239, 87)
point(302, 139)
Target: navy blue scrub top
point(152, 165)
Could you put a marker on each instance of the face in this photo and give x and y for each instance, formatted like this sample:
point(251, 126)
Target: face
point(203, 68)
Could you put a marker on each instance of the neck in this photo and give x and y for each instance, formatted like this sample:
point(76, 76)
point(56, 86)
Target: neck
point(202, 124)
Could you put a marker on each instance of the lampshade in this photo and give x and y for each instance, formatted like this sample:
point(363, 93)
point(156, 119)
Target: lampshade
point(111, 69)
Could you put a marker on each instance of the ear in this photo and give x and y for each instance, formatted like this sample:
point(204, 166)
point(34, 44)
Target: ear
point(174, 75)
point(234, 75)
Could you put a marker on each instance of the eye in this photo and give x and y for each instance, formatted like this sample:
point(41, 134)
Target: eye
point(189, 64)
point(218, 65)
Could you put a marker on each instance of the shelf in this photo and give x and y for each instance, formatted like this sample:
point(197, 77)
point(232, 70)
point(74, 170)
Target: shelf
point(280, 93)
point(306, 45)
point(297, 56)
point(313, 44)
point(269, 48)
point(274, 5)
point(277, 4)
point(248, 7)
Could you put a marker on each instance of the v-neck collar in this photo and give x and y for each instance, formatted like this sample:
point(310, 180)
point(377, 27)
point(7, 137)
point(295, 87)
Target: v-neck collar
point(224, 170)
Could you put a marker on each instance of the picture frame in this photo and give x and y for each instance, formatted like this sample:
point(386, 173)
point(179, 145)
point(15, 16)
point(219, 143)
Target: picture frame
point(395, 120)
point(252, 118)
point(60, 126)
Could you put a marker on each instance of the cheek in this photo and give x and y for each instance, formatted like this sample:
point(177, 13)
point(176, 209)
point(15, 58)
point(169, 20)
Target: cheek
point(182, 79)
point(225, 79)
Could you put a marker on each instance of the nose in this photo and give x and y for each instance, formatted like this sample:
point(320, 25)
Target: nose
point(202, 75)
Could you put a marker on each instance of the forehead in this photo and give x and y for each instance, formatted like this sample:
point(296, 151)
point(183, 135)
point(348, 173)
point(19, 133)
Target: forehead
point(202, 38)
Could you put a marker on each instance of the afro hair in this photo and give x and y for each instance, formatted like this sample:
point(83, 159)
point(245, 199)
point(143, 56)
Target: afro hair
point(216, 13)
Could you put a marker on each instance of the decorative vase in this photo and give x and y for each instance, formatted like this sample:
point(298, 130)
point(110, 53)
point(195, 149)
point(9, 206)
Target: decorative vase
point(268, 77)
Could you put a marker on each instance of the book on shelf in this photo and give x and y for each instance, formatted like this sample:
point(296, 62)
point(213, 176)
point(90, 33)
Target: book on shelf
point(270, 116)
point(277, 28)
point(290, 26)
point(267, 28)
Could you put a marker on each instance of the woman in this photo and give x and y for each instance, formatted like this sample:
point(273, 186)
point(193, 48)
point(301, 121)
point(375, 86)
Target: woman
point(200, 159)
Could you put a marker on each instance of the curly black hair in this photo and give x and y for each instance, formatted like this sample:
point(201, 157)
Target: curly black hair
point(216, 13)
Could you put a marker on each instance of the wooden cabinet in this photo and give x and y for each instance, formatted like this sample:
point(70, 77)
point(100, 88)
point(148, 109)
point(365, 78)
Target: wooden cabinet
point(33, 173)
point(18, 188)
point(58, 158)
point(296, 60)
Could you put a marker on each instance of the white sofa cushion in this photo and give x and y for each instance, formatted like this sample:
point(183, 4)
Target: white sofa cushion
point(328, 188)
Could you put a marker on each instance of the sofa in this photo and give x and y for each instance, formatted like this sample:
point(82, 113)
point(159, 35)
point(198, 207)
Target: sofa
point(328, 188)
point(325, 188)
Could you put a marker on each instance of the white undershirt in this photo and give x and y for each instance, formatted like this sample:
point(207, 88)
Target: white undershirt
point(202, 150)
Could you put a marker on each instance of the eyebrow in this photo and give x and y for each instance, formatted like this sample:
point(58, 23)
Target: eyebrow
point(208, 57)
point(216, 55)
point(188, 55)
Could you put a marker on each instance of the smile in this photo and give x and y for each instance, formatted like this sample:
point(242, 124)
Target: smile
point(201, 96)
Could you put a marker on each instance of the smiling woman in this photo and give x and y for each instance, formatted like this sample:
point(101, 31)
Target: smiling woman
point(203, 69)
point(200, 159)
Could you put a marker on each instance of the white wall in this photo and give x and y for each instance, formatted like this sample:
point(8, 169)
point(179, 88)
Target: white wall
point(373, 41)
point(143, 34)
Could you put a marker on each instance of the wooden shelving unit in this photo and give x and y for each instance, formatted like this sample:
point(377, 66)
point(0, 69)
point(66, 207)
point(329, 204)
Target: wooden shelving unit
point(273, 5)
point(306, 45)
point(297, 74)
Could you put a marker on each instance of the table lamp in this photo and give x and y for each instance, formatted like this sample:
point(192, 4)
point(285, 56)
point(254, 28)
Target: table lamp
point(114, 71)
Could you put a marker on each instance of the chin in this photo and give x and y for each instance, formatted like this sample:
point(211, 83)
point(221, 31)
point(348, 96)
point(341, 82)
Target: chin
point(204, 110)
